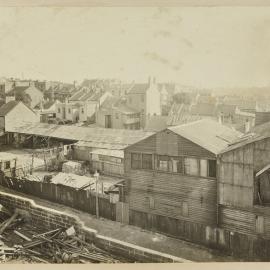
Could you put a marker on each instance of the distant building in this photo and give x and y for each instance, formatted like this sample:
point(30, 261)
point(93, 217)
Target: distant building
point(90, 102)
point(47, 111)
point(226, 113)
point(30, 95)
point(145, 98)
point(59, 91)
point(14, 113)
point(114, 113)
point(67, 112)
point(156, 123)
point(204, 110)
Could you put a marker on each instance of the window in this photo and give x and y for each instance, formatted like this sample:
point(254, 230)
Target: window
point(82, 110)
point(69, 111)
point(203, 168)
point(7, 165)
point(176, 165)
point(147, 161)
point(136, 161)
point(185, 209)
point(191, 166)
point(151, 203)
point(59, 110)
point(212, 168)
point(162, 163)
point(259, 224)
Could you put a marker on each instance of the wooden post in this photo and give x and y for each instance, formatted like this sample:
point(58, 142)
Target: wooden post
point(45, 162)
point(32, 164)
point(96, 175)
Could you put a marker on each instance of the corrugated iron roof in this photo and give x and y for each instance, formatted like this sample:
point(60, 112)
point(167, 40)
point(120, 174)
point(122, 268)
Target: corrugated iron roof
point(6, 108)
point(242, 141)
point(180, 114)
point(208, 134)
point(104, 136)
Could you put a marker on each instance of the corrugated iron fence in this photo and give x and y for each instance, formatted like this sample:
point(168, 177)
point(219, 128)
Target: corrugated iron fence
point(80, 199)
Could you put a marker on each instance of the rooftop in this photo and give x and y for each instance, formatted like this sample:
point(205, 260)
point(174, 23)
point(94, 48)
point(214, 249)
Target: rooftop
point(17, 89)
point(139, 88)
point(98, 137)
point(209, 134)
point(6, 108)
point(180, 114)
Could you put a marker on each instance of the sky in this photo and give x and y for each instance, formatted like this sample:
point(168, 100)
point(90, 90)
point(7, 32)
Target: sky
point(198, 46)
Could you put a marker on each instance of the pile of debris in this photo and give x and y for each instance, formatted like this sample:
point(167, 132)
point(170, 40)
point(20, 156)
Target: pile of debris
point(24, 242)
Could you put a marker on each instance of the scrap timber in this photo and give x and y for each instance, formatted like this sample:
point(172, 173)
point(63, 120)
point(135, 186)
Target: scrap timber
point(21, 240)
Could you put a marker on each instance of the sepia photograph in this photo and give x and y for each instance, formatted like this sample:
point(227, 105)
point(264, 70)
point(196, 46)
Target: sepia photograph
point(134, 133)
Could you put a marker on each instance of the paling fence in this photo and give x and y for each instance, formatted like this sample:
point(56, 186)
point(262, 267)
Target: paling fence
point(84, 200)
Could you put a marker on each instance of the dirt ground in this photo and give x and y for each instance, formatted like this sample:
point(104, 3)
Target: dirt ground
point(137, 236)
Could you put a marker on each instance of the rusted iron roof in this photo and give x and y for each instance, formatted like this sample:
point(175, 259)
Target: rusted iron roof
point(96, 136)
point(207, 133)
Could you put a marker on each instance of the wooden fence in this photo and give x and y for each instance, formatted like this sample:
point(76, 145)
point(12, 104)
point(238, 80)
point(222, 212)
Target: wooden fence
point(83, 200)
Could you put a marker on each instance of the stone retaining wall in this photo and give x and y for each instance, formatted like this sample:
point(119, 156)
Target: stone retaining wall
point(51, 219)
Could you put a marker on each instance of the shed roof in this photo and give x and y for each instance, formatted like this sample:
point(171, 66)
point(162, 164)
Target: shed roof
point(71, 180)
point(209, 134)
point(6, 108)
point(119, 138)
point(242, 141)
point(78, 181)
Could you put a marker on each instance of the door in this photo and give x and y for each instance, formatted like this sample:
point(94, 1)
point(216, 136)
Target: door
point(64, 113)
point(122, 212)
point(108, 121)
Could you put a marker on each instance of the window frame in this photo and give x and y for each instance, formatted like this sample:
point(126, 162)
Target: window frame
point(7, 165)
point(150, 161)
point(208, 174)
point(139, 160)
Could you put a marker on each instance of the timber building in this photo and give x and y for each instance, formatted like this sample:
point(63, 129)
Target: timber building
point(171, 178)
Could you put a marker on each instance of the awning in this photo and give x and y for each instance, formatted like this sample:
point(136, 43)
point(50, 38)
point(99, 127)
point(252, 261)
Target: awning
point(108, 152)
point(263, 170)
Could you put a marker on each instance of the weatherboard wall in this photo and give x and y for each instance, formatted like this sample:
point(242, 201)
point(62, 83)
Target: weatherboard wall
point(166, 195)
point(239, 208)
